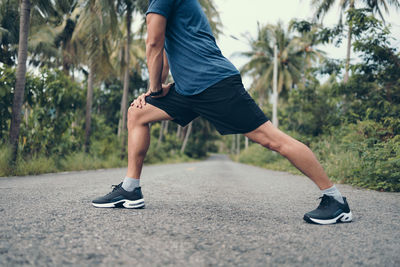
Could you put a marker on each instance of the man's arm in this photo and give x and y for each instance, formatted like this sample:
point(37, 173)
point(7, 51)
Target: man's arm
point(157, 61)
point(156, 25)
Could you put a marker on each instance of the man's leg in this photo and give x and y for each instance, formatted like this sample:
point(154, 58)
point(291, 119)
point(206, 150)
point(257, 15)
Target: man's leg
point(333, 207)
point(139, 135)
point(296, 152)
point(129, 194)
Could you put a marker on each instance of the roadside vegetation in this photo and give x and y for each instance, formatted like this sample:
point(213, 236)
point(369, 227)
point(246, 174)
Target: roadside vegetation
point(353, 127)
point(86, 63)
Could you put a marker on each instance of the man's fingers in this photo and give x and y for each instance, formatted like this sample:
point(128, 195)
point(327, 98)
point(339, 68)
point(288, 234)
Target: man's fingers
point(142, 100)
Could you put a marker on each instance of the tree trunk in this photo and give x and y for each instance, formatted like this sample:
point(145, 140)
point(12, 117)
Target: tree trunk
point(124, 102)
point(166, 127)
point(261, 100)
point(89, 100)
point(238, 144)
point(346, 74)
point(233, 143)
point(65, 64)
point(119, 126)
point(186, 138)
point(246, 142)
point(349, 35)
point(275, 121)
point(20, 77)
point(178, 131)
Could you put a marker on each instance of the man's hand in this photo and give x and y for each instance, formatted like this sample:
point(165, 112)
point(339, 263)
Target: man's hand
point(140, 102)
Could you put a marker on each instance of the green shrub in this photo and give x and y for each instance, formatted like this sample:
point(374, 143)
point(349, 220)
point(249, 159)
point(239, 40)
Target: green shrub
point(258, 155)
point(5, 154)
point(35, 165)
point(380, 165)
point(366, 154)
point(82, 161)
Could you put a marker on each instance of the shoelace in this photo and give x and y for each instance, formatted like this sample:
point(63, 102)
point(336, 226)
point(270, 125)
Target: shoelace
point(115, 187)
point(324, 201)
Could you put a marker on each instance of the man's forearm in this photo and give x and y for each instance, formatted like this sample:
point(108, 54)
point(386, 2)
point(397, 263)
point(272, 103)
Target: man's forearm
point(165, 70)
point(154, 54)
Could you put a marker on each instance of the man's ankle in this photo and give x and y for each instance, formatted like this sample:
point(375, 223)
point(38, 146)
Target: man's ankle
point(333, 192)
point(129, 184)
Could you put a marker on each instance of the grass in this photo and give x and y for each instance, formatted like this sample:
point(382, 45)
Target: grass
point(257, 155)
point(339, 167)
point(374, 168)
point(74, 162)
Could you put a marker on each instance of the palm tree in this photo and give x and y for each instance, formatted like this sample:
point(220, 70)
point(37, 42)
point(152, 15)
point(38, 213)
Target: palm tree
point(94, 30)
point(43, 7)
point(323, 7)
point(50, 41)
point(127, 7)
point(68, 13)
point(20, 76)
point(308, 40)
point(260, 67)
point(124, 102)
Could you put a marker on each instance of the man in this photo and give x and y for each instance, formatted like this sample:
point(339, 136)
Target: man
point(207, 85)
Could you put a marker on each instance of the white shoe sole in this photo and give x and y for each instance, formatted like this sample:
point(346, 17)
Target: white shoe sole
point(129, 204)
point(343, 217)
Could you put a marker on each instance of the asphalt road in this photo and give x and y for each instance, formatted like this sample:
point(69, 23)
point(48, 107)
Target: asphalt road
point(215, 212)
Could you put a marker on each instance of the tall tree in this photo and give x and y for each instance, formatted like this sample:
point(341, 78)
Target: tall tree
point(308, 39)
point(260, 67)
point(323, 7)
point(94, 30)
point(126, 8)
point(124, 101)
point(25, 11)
point(43, 8)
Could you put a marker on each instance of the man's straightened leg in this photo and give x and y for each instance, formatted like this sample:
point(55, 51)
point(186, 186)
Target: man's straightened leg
point(333, 207)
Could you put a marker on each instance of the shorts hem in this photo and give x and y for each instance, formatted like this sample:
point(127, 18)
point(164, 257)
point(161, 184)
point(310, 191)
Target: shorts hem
point(258, 124)
point(177, 121)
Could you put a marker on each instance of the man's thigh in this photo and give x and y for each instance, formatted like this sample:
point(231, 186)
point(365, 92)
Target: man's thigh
point(175, 105)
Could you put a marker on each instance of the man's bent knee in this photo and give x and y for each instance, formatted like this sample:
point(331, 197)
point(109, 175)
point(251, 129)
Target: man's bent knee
point(134, 116)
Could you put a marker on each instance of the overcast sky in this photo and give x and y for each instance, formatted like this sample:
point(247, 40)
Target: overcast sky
point(240, 16)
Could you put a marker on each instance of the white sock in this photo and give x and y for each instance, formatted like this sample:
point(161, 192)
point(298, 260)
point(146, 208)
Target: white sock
point(129, 184)
point(333, 192)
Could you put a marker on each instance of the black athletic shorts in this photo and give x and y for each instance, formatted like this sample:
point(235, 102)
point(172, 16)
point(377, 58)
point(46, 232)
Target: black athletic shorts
point(226, 105)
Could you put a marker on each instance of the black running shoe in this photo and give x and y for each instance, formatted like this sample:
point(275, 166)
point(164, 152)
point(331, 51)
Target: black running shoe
point(329, 211)
point(119, 198)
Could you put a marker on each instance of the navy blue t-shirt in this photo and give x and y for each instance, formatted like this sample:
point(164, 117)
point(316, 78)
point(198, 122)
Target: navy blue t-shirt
point(195, 60)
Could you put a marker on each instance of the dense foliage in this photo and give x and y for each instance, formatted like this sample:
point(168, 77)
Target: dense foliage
point(353, 127)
